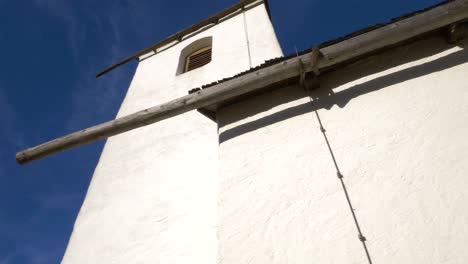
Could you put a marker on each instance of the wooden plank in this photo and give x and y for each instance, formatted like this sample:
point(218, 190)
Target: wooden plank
point(332, 55)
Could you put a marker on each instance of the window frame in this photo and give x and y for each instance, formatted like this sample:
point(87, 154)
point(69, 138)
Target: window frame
point(187, 58)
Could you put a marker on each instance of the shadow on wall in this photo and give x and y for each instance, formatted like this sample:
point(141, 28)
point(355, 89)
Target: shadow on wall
point(326, 98)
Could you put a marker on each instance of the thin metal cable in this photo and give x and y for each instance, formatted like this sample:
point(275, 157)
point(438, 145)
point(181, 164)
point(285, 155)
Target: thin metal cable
point(361, 237)
point(247, 37)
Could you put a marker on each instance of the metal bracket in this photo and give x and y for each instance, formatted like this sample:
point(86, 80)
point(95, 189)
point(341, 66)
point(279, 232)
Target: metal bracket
point(314, 60)
point(315, 54)
point(302, 73)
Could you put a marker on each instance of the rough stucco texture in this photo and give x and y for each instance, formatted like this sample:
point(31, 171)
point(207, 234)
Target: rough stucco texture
point(153, 196)
point(398, 125)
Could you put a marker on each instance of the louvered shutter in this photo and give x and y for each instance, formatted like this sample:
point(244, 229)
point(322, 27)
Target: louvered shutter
point(197, 59)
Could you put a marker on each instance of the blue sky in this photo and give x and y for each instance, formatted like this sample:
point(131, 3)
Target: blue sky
point(51, 51)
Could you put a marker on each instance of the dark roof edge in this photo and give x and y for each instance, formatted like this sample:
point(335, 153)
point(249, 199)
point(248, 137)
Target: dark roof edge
point(179, 35)
point(267, 6)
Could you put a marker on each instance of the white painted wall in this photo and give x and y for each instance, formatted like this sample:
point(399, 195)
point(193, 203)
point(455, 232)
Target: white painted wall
point(153, 196)
point(398, 124)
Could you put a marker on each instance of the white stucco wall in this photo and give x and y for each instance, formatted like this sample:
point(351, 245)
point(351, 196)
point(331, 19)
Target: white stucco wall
point(398, 124)
point(153, 196)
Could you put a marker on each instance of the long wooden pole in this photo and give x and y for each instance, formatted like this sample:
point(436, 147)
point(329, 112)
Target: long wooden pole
point(349, 49)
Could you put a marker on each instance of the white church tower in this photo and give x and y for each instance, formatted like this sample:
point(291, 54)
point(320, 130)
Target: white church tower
point(154, 194)
point(354, 151)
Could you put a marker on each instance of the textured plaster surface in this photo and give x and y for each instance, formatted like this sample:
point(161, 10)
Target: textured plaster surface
point(398, 125)
point(153, 196)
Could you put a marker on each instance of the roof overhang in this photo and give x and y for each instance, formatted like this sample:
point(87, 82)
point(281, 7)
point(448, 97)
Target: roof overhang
point(179, 36)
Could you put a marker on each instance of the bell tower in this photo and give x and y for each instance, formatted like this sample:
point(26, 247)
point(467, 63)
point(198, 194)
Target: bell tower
point(154, 194)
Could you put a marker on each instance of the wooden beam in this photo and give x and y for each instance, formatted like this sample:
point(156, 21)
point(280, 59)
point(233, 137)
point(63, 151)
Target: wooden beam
point(335, 54)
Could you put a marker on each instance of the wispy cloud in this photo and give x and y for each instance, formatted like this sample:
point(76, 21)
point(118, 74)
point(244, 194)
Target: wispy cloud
point(122, 26)
point(80, 20)
point(8, 125)
point(64, 11)
point(41, 250)
point(7, 259)
point(10, 136)
point(103, 94)
point(127, 22)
